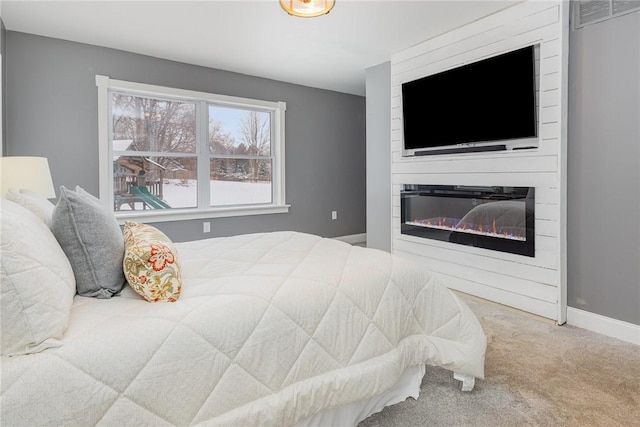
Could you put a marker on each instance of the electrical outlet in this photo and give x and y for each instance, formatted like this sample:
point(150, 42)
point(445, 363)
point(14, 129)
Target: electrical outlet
point(206, 227)
point(334, 214)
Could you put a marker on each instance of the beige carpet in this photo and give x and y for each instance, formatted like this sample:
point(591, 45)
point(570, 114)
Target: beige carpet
point(537, 374)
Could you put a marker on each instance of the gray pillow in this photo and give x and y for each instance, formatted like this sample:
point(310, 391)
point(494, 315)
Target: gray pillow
point(91, 238)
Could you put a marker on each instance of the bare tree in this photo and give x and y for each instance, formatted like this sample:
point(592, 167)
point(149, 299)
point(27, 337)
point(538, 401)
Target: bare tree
point(219, 142)
point(154, 124)
point(256, 133)
point(158, 126)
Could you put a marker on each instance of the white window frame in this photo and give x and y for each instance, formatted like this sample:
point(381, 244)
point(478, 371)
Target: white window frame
point(277, 109)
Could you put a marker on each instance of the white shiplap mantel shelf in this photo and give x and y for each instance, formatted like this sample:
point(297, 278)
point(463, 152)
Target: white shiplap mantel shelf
point(534, 284)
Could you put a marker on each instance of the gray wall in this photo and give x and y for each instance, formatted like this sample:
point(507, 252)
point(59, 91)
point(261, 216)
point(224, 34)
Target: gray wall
point(378, 84)
point(603, 226)
point(52, 111)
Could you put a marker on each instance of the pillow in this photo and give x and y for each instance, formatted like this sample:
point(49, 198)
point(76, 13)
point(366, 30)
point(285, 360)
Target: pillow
point(36, 203)
point(151, 263)
point(37, 287)
point(90, 236)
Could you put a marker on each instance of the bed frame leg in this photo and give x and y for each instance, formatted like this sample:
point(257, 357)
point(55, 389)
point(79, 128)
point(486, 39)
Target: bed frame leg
point(468, 382)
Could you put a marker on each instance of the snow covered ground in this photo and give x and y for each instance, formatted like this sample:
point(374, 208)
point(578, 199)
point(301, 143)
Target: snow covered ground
point(184, 195)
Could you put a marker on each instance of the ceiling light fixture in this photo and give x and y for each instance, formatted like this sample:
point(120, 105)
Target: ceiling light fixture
point(307, 8)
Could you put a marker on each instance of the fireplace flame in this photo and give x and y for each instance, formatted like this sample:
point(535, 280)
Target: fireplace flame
point(490, 230)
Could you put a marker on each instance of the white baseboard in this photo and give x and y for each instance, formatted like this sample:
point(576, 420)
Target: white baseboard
point(353, 238)
point(604, 325)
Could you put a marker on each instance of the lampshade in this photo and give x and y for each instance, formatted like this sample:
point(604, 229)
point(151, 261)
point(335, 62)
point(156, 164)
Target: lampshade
point(28, 173)
point(307, 8)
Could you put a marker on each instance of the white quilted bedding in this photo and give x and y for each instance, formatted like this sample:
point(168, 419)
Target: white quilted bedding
point(269, 329)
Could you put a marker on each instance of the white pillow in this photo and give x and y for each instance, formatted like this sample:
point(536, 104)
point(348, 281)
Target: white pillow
point(38, 284)
point(36, 203)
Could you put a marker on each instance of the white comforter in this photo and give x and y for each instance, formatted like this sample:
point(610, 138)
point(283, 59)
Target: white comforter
point(270, 328)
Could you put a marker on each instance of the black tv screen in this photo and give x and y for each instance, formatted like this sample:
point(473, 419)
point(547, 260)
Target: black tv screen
point(489, 100)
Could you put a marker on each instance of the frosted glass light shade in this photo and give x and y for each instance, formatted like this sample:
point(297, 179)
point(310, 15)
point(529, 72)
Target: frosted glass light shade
point(26, 173)
point(307, 8)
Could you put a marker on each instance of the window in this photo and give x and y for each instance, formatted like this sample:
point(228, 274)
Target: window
point(173, 154)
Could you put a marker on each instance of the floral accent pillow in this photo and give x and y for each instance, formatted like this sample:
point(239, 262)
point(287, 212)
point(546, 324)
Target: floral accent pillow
point(151, 263)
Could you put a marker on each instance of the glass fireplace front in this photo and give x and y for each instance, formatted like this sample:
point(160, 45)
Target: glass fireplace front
point(497, 218)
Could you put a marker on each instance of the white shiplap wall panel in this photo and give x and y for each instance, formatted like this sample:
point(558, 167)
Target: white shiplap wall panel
point(543, 259)
point(547, 195)
point(396, 101)
point(551, 63)
point(550, 130)
point(509, 267)
point(549, 79)
point(548, 212)
point(550, 48)
point(486, 290)
point(496, 280)
point(490, 178)
point(484, 45)
point(549, 145)
point(535, 283)
point(470, 31)
point(549, 98)
point(546, 227)
point(468, 163)
point(550, 114)
point(482, 290)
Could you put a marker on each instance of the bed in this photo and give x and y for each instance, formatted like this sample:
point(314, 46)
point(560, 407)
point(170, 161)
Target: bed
point(279, 328)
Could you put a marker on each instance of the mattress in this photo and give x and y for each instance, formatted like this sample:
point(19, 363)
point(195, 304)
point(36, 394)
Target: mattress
point(270, 329)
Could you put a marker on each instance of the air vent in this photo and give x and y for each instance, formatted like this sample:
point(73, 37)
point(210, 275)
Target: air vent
point(586, 12)
point(624, 6)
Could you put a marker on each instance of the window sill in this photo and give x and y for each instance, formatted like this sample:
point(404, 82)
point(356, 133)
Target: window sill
point(150, 216)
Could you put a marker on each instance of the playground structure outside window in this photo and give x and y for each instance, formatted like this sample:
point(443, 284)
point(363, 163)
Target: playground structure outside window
point(170, 154)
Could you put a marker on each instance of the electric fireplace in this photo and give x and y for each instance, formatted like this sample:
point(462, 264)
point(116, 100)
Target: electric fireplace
point(497, 218)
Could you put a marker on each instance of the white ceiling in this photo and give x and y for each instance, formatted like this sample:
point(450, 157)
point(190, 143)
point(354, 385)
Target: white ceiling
point(253, 37)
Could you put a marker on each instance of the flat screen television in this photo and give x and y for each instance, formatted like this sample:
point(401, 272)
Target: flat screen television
point(482, 102)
